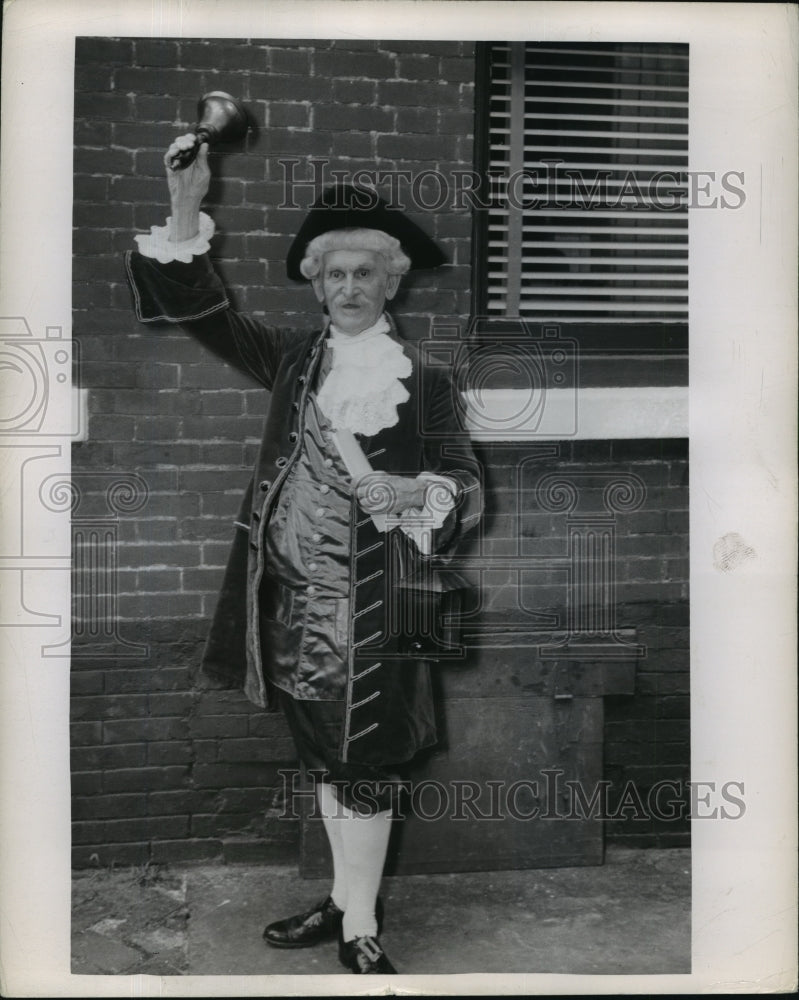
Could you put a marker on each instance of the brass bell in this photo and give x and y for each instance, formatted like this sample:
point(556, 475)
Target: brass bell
point(221, 119)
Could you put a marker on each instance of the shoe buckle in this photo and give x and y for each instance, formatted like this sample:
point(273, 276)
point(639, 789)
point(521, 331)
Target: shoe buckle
point(370, 948)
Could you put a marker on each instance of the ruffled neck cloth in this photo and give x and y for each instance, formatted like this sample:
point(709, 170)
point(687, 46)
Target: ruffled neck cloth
point(362, 390)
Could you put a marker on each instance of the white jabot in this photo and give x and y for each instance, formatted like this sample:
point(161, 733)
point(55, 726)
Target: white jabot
point(363, 390)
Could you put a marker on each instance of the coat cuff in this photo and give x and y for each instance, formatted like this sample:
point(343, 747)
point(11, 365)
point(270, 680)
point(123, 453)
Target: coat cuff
point(174, 292)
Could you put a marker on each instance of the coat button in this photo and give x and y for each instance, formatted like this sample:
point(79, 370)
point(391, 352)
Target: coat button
point(302, 379)
point(324, 488)
point(328, 463)
point(320, 511)
point(293, 436)
point(264, 485)
point(256, 516)
point(296, 405)
point(280, 462)
point(313, 567)
point(310, 591)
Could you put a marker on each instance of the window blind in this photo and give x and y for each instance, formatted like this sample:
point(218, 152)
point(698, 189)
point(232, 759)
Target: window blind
point(586, 157)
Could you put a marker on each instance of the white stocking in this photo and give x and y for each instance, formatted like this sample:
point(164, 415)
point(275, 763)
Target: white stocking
point(365, 840)
point(333, 819)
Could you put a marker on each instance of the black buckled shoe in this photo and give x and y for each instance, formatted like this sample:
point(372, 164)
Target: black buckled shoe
point(321, 923)
point(365, 956)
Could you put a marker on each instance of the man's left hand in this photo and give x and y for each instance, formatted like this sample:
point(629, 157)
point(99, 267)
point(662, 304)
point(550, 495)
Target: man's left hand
point(382, 493)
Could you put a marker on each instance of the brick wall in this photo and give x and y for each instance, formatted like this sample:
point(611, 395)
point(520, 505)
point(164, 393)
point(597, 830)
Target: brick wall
point(177, 433)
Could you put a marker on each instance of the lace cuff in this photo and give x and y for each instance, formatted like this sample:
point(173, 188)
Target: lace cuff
point(158, 244)
point(419, 523)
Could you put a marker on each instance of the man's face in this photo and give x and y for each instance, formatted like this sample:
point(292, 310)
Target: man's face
point(354, 285)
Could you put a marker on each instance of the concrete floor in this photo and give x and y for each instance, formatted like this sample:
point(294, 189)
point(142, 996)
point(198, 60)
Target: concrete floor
point(629, 916)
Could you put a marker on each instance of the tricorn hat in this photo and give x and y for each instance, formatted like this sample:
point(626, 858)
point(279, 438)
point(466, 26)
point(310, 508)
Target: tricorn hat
point(345, 206)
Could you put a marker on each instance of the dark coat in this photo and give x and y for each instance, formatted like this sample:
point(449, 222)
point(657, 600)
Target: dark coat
point(389, 711)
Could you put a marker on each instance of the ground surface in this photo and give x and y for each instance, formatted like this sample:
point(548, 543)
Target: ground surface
point(628, 916)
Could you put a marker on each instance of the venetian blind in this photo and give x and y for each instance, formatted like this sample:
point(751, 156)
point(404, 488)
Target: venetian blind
point(587, 152)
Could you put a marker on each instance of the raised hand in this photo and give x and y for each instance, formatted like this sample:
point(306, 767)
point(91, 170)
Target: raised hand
point(187, 186)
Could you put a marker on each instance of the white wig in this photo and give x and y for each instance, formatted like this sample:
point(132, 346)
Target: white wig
point(354, 239)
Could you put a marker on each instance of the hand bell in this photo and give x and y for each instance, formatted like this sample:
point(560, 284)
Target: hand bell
point(221, 119)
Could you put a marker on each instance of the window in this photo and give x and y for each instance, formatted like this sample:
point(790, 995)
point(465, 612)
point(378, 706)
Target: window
point(584, 153)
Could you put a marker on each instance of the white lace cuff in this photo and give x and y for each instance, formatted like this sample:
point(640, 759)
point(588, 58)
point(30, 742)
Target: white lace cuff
point(158, 243)
point(419, 523)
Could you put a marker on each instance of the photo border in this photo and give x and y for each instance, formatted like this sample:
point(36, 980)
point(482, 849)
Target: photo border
point(742, 434)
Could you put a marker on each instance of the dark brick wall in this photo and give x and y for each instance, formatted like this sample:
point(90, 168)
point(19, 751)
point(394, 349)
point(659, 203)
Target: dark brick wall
point(152, 778)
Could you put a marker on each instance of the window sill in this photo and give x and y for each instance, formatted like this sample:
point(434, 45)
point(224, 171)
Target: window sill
point(581, 414)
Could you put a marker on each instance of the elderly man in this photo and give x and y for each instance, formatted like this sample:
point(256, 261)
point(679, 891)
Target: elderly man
point(353, 493)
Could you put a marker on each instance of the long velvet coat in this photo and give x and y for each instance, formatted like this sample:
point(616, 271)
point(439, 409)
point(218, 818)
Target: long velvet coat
point(389, 711)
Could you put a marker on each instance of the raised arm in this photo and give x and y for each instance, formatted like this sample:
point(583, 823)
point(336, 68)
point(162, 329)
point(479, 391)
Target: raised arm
point(172, 279)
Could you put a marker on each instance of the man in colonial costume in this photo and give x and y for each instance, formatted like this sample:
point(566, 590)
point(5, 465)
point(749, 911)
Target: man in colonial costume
point(354, 491)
